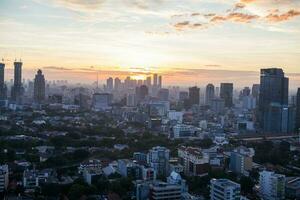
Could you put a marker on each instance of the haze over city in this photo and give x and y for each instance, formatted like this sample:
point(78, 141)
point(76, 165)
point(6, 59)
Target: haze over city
point(189, 43)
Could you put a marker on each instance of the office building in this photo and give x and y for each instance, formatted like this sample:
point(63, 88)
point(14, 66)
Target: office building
point(155, 80)
point(39, 87)
point(274, 88)
point(17, 88)
point(195, 162)
point(255, 90)
point(117, 84)
point(183, 95)
point(271, 185)
point(279, 119)
point(4, 175)
point(141, 93)
point(110, 84)
point(298, 111)
point(160, 81)
point(163, 191)
point(158, 159)
point(148, 81)
point(226, 93)
point(224, 189)
point(3, 88)
point(163, 94)
point(209, 94)
point(194, 96)
point(218, 105)
point(241, 160)
point(131, 100)
point(101, 101)
point(292, 188)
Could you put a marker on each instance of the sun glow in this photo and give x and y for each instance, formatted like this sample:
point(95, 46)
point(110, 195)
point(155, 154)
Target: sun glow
point(138, 77)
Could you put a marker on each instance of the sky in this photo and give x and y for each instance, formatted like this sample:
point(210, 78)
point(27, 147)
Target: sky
point(190, 42)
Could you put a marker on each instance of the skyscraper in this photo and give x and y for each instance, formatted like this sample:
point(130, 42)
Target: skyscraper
point(155, 80)
point(226, 93)
point(209, 94)
point(141, 93)
point(194, 95)
point(160, 81)
point(255, 90)
point(3, 89)
point(148, 81)
point(17, 89)
point(158, 158)
point(274, 88)
point(39, 87)
point(298, 110)
point(118, 83)
point(110, 84)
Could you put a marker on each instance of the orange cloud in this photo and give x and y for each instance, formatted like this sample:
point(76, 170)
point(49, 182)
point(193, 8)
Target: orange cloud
point(274, 17)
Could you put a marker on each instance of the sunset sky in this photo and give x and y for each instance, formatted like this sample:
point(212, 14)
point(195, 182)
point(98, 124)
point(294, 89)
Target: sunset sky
point(187, 41)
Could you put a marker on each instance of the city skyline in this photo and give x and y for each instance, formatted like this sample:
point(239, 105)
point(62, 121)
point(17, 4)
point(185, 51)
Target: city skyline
point(75, 39)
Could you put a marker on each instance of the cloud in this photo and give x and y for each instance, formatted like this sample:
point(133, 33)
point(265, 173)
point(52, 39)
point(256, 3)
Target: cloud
point(275, 17)
point(80, 5)
point(56, 68)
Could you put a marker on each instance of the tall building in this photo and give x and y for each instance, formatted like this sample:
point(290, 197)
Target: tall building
point(155, 80)
point(255, 90)
point(241, 160)
point(194, 95)
point(298, 110)
point(17, 89)
point(209, 94)
point(279, 119)
point(274, 88)
point(118, 84)
point(160, 81)
point(110, 84)
point(39, 87)
point(148, 81)
point(271, 185)
point(158, 159)
point(226, 93)
point(224, 189)
point(183, 95)
point(194, 161)
point(163, 94)
point(3, 177)
point(101, 101)
point(3, 89)
point(141, 93)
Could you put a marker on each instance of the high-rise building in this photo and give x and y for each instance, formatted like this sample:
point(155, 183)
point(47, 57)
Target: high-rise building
point(110, 84)
point(279, 119)
point(255, 91)
point(101, 101)
point(17, 89)
point(246, 92)
point(274, 88)
point(148, 81)
point(224, 189)
point(194, 95)
point(209, 94)
point(131, 100)
point(271, 185)
point(298, 110)
point(194, 161)
point(183, 95)
point(3, 177)
point(241, 160)
point(158, 159)
point(155, 80)
point(163, 94)
point(226, 93)
point(218, 105)
point(3, 89)
point(160, 81)
point(141, 93)
point(118, 84)
point(39, 87)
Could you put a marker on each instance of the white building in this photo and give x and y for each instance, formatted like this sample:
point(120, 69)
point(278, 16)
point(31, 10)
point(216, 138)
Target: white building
point(175, 115)
point(271, 185)
point(161, 190)
point(3, 177)
point(224, 189)
point(34, 178)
